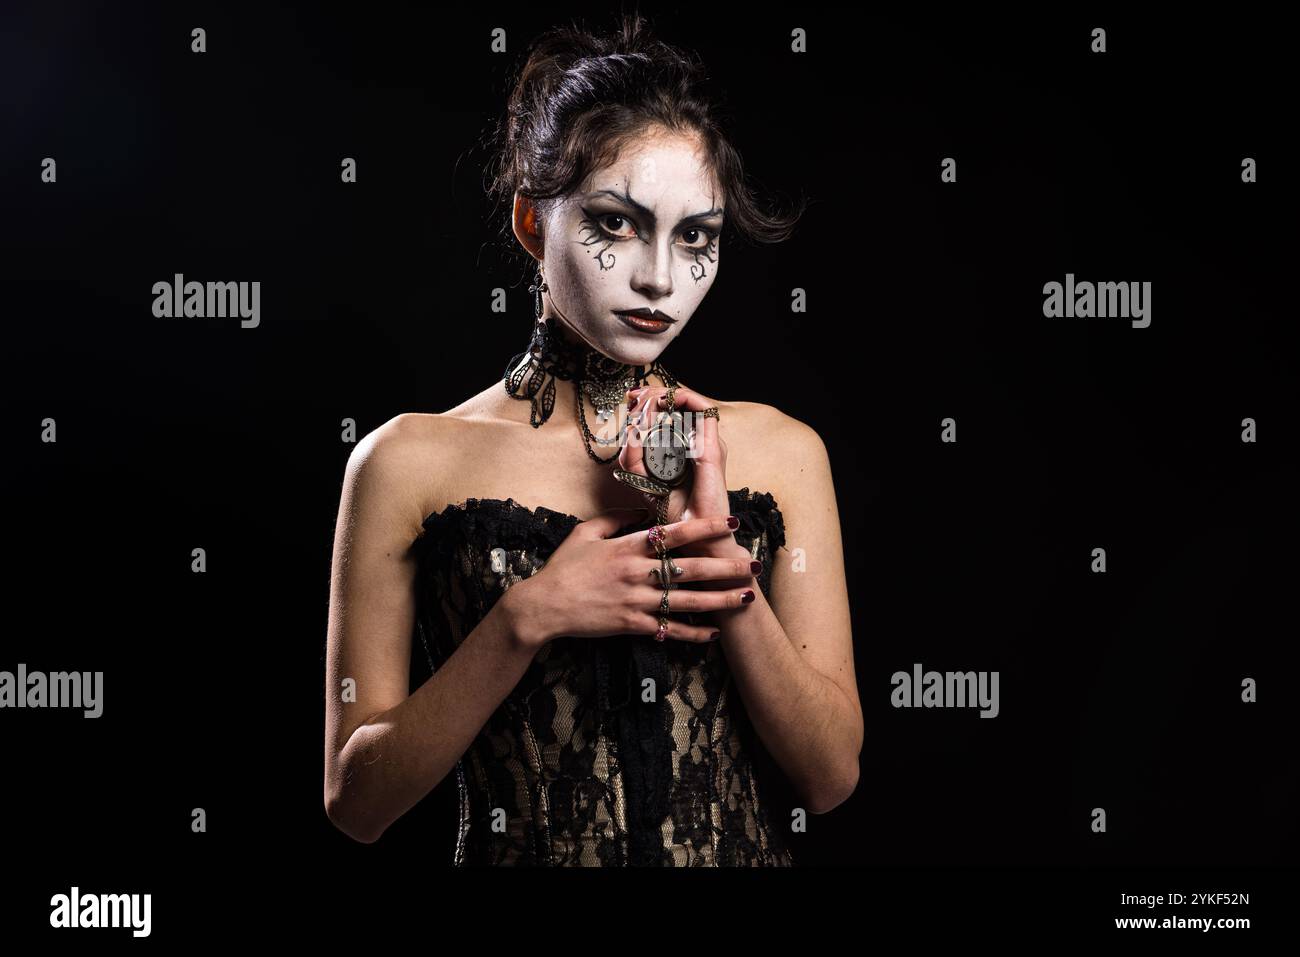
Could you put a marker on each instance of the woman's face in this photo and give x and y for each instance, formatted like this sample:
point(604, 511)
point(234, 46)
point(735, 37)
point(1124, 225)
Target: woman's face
point(640, 234)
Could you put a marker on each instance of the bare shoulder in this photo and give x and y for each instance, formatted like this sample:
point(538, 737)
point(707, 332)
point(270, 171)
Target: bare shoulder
point(770, 421)
point(402, 441)
point(393, 470)
point(770, 450)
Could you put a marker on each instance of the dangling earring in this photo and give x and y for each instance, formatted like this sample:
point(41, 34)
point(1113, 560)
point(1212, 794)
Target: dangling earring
point(539, 286)
point(531, 374)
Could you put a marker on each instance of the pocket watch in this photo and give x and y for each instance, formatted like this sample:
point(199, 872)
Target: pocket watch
point(665, 453)
point(666, 450)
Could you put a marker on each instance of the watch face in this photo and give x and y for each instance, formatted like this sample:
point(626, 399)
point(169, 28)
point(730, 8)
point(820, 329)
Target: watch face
point(665, 453)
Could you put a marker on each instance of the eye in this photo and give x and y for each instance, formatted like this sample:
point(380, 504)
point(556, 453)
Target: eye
point(612, 224)
point(698, 238)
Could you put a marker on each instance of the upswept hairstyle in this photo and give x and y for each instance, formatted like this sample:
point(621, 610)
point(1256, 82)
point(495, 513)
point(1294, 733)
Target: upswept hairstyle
point(579, 97)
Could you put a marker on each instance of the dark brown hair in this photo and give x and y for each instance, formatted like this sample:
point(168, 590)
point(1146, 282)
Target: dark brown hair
point(579, 97)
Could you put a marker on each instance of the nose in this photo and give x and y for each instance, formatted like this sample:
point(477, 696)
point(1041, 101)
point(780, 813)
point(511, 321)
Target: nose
point(653, 276)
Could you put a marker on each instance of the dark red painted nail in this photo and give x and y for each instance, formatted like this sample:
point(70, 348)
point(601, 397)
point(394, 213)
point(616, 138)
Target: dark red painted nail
point(747, 595)
point(733, 522)
point(755, 567)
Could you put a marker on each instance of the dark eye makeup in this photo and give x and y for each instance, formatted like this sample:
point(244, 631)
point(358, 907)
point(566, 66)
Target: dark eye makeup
point(615, 232)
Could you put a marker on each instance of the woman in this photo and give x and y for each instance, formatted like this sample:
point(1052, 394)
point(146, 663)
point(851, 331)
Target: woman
point(594, 713)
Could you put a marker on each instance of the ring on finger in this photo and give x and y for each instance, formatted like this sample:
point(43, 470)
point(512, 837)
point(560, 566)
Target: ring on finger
point(665, 570)
point(655, 535)
point(664, 611)
point(662, 633)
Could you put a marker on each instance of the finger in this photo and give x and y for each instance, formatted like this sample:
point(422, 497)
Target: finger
point(690, 599)
point(642, 414)
point(702, 430)
point(697, 529)
point(705, 446)
point(638, 397)
point(605, 524)
point(680, 533)
point(631, 456)
point(684, 398)
point(677, 630)
point(706, 569)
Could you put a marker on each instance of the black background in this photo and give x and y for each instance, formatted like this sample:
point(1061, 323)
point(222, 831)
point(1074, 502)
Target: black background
point(925, 301)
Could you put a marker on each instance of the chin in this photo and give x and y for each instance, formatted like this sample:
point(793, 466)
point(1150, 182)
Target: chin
point(635, 355)
point(638, 349)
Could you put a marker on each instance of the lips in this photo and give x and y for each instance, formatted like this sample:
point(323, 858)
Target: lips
point(644, 320)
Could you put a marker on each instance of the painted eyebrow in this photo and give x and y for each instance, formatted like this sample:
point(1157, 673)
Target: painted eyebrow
point(624, 197)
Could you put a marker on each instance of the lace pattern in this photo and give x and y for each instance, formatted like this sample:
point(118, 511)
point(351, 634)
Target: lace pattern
point(574, 769)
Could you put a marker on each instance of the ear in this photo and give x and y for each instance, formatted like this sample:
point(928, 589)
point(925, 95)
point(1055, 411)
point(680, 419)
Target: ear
point(527, 225)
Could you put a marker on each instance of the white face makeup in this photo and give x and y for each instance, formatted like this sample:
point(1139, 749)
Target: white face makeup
point(640, 234)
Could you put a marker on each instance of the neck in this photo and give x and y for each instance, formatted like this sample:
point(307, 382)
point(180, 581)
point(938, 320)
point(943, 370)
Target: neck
point(562, 358)
point(574, 350)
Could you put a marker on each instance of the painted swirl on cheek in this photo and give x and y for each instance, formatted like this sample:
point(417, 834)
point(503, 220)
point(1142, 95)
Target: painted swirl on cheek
point(709, 252)
point(597, 236)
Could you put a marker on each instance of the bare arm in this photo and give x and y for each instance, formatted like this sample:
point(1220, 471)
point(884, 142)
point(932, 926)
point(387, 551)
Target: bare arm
point(793, 659)
point(386, 750)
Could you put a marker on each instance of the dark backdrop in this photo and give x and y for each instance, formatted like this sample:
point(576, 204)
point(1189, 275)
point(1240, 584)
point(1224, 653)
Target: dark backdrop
point(1119, 690)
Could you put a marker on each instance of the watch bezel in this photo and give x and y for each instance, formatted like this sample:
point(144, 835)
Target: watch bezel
point(670, 423)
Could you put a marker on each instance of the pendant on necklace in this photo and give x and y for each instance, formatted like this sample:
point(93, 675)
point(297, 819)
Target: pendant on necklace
point(606, 396)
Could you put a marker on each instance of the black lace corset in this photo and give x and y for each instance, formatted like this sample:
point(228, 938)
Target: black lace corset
point(574, 769)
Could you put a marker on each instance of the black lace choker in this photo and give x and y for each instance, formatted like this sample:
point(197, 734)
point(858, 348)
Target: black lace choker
point(531, 374)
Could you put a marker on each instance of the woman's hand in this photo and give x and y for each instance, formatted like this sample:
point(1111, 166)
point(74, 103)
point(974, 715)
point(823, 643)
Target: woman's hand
point(706, 493)
point(597, 585)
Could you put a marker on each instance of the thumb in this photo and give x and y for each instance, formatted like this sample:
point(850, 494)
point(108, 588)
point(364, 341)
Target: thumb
point(608, 522)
